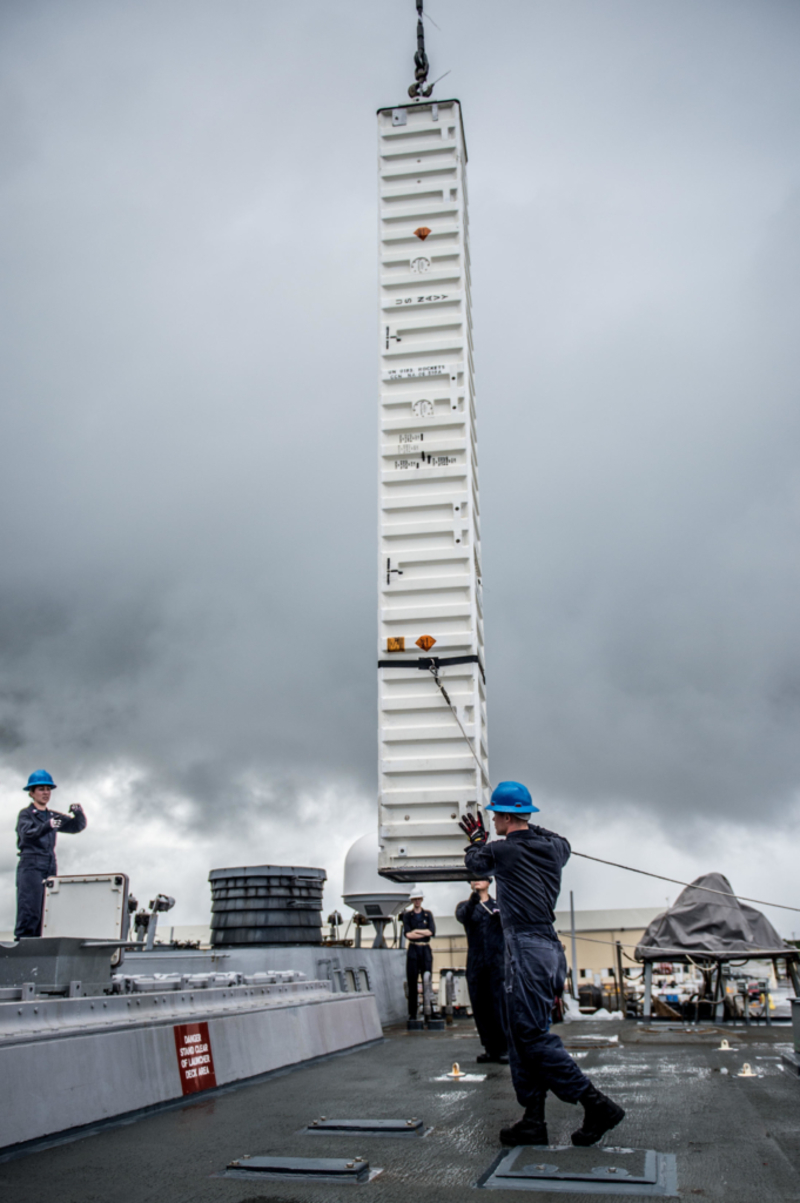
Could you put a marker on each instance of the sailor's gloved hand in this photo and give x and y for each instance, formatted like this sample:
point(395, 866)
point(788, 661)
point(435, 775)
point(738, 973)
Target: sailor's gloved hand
point(56, 823)
point(75, 808)
point(474, 829)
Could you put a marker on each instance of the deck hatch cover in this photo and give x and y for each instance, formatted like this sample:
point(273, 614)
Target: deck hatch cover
point(596, 1170)
point(582, 1165)
point(366, 1127)
point(324, 1169)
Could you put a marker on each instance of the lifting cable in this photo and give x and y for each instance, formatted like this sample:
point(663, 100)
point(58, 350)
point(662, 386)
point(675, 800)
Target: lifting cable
point(769, 953)
point(674, 880)
point(687, 884)
point(433, 668)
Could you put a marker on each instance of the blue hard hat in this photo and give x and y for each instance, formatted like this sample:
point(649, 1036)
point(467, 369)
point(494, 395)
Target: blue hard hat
point(40, 777)
point(511, 797)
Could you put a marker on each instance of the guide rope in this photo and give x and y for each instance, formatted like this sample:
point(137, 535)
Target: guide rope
point(433, 669)
point(782, 906)
point(704, 953)
point(674, 880)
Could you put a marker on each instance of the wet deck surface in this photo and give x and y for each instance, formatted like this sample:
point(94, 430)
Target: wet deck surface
point(737, 1140)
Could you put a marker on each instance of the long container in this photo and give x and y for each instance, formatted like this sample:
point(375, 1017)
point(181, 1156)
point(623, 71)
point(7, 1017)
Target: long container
point(429, 566)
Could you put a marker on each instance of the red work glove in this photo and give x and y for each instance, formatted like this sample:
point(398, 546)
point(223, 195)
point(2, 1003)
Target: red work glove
point(474, 829)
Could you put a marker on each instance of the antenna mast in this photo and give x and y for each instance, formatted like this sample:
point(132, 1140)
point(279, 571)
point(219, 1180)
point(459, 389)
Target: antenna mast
point(421, 65)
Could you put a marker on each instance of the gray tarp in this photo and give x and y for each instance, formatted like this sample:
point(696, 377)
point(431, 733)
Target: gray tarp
point(700, 922)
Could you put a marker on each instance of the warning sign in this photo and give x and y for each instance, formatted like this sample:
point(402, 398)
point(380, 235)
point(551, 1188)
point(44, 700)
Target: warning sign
point(195, 1059)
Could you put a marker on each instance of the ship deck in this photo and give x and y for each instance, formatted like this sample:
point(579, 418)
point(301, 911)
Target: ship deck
point(735, 1139)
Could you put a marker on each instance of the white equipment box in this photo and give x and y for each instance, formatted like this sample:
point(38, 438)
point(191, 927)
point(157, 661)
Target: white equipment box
point(430, 615)
point(461, 999)
point(91, 907)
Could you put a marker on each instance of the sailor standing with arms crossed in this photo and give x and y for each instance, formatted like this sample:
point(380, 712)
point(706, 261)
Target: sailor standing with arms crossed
point(527, 868)
point(418, 927)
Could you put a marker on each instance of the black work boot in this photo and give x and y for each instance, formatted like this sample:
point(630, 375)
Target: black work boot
point(600, 1115)
point(530, 1130)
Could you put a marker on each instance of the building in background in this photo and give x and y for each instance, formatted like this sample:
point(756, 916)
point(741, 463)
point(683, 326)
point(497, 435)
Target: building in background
point(597, 934)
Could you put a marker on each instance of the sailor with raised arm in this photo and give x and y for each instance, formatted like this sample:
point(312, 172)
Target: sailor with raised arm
point(527, 866)
point(36, 839)
point(480, 916)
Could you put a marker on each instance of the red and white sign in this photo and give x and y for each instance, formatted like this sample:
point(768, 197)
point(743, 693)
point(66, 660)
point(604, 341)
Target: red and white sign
point(195, 1059)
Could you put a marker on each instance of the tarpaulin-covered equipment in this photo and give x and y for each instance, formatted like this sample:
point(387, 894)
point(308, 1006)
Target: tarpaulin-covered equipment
point(708, 923)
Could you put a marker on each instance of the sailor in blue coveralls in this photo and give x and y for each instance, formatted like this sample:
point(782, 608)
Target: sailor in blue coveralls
point(36, 839)
point(527, 868)
point(480, 916)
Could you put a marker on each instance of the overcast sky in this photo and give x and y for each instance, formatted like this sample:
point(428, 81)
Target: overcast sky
point(188, 358)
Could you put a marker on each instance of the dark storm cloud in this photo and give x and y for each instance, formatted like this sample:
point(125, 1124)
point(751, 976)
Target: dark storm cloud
point(189, 391)
point(655, 498)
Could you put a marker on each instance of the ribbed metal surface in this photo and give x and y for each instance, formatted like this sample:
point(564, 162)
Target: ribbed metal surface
point(236, 894)
point(267, 919)
point(261, 906)
point(430, 542)
point(266, 904)
point(266, 935)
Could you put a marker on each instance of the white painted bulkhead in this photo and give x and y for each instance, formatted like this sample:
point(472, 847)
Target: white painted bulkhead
point(429, 566)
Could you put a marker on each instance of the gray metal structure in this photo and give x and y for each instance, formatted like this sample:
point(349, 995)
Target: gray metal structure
point(266, 904)
point(70, 1062)
point(348, 970)
point(57, 965)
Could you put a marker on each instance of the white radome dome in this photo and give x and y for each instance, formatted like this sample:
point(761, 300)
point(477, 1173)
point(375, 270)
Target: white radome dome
point(365, 891)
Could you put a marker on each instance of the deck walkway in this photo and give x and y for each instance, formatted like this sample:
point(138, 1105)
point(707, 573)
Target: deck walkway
point(737, 1140)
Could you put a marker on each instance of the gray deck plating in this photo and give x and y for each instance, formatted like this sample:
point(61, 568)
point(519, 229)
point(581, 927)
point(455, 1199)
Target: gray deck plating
point(735, 1140)
point(792, 1062)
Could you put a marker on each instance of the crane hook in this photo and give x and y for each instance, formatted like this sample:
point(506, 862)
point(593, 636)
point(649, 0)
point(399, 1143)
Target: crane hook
point(421, 65)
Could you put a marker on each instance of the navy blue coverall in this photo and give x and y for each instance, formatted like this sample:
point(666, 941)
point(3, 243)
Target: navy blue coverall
point(36, 841)
point(527, 866)
point(419, 958)
point(485, 970)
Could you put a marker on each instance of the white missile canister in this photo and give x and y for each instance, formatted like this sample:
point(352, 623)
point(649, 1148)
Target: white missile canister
point(432, 755)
